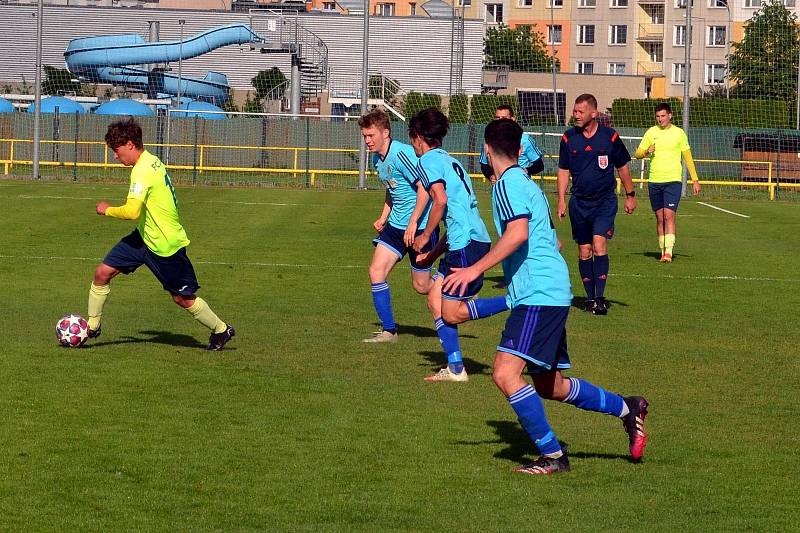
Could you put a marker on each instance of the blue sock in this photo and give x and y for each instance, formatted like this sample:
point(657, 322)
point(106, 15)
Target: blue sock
point(587, 276)
point(448, 337)
point(483, 307)
point(589, 397)
point(600, 274)
point(530, 412)
point(382, 298)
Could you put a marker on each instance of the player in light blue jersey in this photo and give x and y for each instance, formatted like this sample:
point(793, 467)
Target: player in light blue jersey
point(539, 295)
point(530, 157)
point(404, 216)
point(467, 240)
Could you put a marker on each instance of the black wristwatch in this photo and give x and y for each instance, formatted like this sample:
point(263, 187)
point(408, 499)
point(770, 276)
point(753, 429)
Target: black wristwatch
point(631, 193)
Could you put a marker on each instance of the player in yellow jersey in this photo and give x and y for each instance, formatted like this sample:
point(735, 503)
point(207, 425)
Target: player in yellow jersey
point(159, 241)
point(665, 144)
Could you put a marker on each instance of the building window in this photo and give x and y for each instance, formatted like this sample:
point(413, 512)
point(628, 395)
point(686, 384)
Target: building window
point(584, 67)
point(525, 3)
point(554, 34)
point(555, 3)
point(715, 74)
point(681, 4)
point(413, 7)
point(587, 3)
point(679, 35)
point(678, 72)
point(616, 68)
point(716, 36)
point(618, 34)
point(494, 13)
point(465, 3)
point(384, 10)
point(619, 3)
point(585, 33)
point(717, 3)
point(329, 6)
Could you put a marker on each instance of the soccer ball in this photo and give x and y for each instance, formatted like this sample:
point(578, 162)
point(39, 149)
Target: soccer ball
point(72, 330)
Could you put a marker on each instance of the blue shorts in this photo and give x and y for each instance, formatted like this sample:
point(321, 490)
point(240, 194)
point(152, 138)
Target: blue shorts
point(392, 238)
point(461, 258)
point(175, 272)
point(592, 217)
point(665, 195)
point(537, 334)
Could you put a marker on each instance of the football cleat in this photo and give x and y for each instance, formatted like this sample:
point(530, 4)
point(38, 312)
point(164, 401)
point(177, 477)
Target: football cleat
point(588, 306)
point(445, 374)
point(218, 340)
point(634, 425)
point(382, 336)
point(600, 306)
point(666, 258)
point(545, 465)
point(93, 333)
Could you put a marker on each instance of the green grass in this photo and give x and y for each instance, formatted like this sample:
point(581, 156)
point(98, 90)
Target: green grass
point(297, 425)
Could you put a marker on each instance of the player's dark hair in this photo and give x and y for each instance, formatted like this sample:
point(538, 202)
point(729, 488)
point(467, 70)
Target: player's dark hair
point(663, 106)
point(429, 124)
point(588, 99)
point(506, 107)
point(504, 137)
point(376, 117)
point(122, 131)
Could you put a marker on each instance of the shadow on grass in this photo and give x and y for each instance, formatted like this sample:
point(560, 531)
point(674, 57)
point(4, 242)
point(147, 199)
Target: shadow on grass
point(472, 366)
point(579, 301)
point(157, 337)
point(657, 255)
point(416, 331)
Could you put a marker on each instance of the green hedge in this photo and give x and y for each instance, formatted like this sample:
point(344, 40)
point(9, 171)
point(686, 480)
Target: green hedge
point(416, 102)
point(458, 108)
point(484, 105)
point(704, 112)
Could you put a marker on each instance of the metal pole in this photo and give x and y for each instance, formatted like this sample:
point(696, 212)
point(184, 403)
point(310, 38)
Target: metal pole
point(181, 22)
point(728, 53)
point(362, 152)
point(553, 50)
point(687, 80)
point(797, 89)
point(37, 101)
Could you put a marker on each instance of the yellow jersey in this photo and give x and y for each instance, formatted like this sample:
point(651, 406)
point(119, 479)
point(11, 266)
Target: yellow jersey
point(665, 163)
point(159, 224)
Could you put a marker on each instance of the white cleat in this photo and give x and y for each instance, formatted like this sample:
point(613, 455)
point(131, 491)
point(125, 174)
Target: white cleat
point(382, 336)
point(445, 374)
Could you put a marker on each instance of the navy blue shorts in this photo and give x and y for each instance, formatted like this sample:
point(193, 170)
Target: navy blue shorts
point(464, 257)
point(665, 195)
point(392, 238)
point(175, 272)
point(537, 334)
point(592, 217)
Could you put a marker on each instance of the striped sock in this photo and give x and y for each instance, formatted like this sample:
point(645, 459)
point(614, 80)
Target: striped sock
point(382, 299)
point(589, 397)
point(484, 307)
point(448, 337)
point(530, 412)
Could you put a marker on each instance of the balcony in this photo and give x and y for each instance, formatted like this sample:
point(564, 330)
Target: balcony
point(650, 33)
point(650, 69)
point(651, 2)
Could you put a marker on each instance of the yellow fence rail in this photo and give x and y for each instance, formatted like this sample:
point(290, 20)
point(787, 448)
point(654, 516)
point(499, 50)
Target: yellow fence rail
point(297, 170)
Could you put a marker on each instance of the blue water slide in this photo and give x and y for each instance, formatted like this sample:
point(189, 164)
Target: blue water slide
point(108, 59)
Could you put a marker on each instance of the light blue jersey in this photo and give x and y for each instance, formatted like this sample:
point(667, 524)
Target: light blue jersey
point(463, 220)
point(535, 273)
point(397, 171)
point(529, 155)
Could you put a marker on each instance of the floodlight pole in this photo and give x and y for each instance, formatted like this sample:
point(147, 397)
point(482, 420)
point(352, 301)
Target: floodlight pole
point(37, 99)
point(181, 22)
point(362, 151)
point(552, 33)
point(797, 113)
point(728, 53)
point(687, 81)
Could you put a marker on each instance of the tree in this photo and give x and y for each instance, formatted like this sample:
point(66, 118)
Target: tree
point(59, 81)
point(764, 64)
point(520, 48)
point(267, 81)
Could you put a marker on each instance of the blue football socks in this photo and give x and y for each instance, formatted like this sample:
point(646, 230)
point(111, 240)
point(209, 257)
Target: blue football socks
point(600, 274)
point(448, 337)
point(529, 409)
point(382, 298)
point(483, 307)
point(589, 397)
point(586, 270)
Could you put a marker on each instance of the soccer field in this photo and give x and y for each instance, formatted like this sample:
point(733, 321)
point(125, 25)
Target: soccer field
point(298, 426)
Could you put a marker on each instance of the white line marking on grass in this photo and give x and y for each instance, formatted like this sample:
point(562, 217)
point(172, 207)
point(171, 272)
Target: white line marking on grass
point(724, 210)
point(24, 258)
